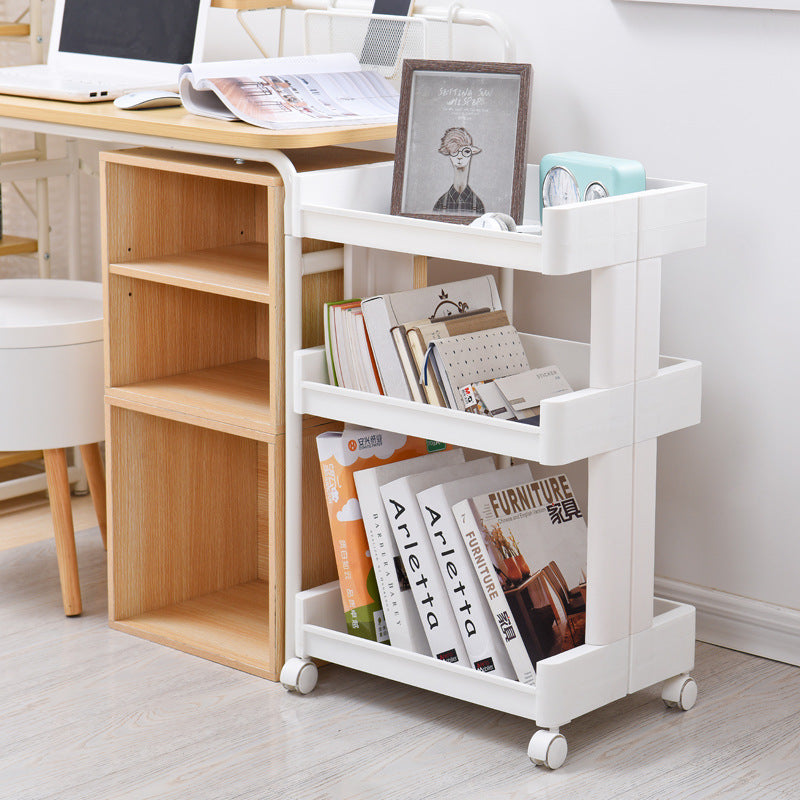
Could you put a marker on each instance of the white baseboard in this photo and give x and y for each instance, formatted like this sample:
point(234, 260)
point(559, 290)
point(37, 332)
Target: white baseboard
point(738, 623)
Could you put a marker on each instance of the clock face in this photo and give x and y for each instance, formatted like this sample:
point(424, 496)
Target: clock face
point(559, 187)
point(594, 191)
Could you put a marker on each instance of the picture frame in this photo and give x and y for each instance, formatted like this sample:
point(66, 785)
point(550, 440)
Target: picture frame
point(450, 112)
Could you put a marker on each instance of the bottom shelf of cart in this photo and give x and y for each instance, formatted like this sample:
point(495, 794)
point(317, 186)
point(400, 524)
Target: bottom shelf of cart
point(321, 634)
point(568, 684)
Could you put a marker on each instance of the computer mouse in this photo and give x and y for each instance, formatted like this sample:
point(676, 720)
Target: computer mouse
point(147, 98)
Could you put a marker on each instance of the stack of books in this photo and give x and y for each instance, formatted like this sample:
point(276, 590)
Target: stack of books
point(454, 558)
point(450, 346)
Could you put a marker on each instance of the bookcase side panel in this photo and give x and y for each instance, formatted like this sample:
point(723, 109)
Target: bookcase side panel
point(272, 211)
point(184, 511)
point(271, 540)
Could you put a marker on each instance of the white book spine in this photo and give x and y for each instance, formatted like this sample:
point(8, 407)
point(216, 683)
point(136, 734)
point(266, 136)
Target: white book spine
point(482, 640)
point(399, 606)
point(427, 585)
point(493, 591)
point(379, 325)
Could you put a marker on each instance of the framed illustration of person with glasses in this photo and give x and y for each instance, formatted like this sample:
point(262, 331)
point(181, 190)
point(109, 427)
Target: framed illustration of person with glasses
point(461, 140)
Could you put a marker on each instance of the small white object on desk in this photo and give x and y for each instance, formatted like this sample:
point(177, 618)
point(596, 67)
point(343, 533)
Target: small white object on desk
point(495, 221)
point(147, 98)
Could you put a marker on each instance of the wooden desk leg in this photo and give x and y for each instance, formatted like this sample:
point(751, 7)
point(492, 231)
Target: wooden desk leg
point(55, 464)
point(95, 475)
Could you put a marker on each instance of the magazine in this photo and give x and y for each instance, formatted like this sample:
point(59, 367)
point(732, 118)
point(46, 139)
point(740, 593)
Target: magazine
point(528, 544)
point(399, 607)
point(485, 647)
point(439, 620)
point(340, 455)
point(292, 92)
point(383, 312)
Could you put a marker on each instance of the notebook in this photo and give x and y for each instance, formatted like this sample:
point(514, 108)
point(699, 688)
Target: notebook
point(100, 49)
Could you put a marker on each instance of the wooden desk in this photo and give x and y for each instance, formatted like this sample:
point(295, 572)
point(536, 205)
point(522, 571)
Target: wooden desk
point(163, 128)
point(208, 580)
point(105, 122)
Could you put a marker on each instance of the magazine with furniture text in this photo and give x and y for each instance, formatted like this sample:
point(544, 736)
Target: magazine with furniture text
point(528, 545)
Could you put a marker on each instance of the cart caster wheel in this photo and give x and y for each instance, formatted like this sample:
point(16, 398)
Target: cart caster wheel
point(680, 692)
point(299, 675)
point(548, 749)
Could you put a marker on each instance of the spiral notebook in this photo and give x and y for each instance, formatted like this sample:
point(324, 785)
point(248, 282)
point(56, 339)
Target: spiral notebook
point(484, 355)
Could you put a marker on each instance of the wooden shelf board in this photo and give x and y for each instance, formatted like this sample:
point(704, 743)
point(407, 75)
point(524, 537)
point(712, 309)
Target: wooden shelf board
point(15, 29)
point(230, 627)
point(238, 270)
point(10, 459)
point(257, 173)
point(12, 245)
point(229, 395)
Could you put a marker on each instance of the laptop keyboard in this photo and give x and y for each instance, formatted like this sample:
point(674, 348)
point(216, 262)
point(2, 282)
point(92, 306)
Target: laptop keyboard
point(42, 77)
point(26, 77)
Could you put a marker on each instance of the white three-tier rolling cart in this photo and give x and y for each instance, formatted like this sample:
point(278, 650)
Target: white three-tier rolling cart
point(626, 396)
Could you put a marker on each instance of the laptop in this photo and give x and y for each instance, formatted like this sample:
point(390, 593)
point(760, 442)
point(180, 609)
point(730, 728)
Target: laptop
point(101, 49)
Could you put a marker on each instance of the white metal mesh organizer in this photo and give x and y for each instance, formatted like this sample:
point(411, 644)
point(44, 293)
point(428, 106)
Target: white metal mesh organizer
point(382, 42)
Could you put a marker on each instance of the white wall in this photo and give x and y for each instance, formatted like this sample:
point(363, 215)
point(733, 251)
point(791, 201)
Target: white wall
point(707, 94)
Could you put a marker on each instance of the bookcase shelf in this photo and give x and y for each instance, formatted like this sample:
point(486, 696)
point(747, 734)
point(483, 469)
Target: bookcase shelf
point(625, 396)
point(237, 270)
point(577, 675)
point(231, 626)
point(231, 394)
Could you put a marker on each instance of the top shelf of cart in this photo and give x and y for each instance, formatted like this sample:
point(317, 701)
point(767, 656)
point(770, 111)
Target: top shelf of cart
point(351, 205)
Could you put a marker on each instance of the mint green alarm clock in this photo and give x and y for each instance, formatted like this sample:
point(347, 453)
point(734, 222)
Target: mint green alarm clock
point(575, 177)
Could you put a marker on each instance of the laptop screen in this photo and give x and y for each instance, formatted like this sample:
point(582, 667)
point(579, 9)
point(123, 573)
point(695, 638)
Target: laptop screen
point(146, 30)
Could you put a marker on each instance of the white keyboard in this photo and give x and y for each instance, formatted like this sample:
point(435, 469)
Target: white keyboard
point(37, 80)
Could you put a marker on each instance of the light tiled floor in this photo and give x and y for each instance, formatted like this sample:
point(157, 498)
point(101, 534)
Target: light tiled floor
point(92, 713)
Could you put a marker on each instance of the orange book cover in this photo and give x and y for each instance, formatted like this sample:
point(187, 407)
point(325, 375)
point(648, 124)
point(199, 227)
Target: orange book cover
point(341, 455)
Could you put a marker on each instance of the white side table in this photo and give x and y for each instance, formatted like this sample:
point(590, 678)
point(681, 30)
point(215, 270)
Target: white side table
point(51, 395)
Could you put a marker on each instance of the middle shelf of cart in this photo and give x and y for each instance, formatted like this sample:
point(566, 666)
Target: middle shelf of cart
point(574, 425)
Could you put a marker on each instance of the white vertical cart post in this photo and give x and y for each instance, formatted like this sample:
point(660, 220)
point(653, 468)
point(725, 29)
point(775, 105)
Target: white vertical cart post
point(626, 395)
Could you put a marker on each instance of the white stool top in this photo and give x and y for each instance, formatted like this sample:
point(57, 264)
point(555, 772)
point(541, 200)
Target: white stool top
point(41, 312)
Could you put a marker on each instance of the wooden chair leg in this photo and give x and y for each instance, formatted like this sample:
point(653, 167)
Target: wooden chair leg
point(95, 475)
point(55, 464)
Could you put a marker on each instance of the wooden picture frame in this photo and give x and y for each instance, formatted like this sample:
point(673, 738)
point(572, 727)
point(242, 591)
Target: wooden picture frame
point(450, 112)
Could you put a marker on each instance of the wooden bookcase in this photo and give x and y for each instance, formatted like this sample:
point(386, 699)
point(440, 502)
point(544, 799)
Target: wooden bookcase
point(194, 367)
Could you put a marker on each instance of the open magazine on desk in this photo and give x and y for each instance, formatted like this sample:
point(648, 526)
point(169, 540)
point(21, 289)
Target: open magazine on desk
point(292, 92)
